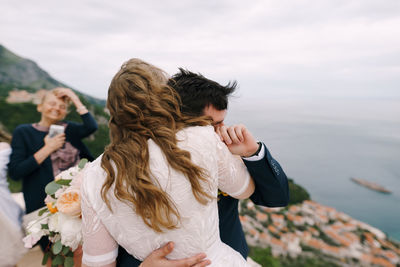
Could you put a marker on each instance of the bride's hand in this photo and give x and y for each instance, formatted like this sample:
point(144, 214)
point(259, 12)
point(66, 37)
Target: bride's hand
point(158, 258)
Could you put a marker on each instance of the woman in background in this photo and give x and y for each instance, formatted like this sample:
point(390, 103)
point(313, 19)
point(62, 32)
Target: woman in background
point(37, 158)
point(12, 248)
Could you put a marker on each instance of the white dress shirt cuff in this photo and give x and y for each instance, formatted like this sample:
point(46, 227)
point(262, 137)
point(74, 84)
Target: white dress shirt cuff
point(260, 155)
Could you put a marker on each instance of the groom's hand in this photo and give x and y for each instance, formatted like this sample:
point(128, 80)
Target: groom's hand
point(158, 258)
point(238, 139)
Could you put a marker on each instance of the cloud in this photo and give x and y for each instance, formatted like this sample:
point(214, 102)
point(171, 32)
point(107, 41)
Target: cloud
point(302, 46)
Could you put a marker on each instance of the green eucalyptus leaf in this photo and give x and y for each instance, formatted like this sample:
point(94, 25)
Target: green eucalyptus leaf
point(63, 181)
point(70, 254)
point(57, 247)
point(52, 187)
point(43, 211)
point(69, 262)
point(82, 163)
point(45, 226)
point(65, 250)
point(45, 258)
point(58, 260)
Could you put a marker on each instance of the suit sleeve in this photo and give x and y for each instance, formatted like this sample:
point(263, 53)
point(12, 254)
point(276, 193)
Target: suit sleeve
point(271, 188)
point(124, 259)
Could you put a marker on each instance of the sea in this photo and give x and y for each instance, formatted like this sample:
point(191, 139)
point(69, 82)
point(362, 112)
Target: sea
point(322, 142)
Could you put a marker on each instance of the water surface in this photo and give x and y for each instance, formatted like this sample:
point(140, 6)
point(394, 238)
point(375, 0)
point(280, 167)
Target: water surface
point(321, 143)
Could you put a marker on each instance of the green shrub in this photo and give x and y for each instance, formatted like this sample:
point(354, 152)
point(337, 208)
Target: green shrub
point(297, 193)
point(264, 257)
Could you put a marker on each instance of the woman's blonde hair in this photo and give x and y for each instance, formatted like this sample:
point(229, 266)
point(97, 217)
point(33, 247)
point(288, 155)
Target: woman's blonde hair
point(143, 107)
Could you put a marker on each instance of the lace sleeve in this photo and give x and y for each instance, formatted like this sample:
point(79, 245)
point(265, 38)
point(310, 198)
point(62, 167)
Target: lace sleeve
point(99, 248)
point(233, 177)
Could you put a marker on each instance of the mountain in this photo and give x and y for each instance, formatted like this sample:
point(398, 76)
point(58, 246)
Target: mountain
point(22, 73)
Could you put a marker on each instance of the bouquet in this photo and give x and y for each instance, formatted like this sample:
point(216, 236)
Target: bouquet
point(61, 219)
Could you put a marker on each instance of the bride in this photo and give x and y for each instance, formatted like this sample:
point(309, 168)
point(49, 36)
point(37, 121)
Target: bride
point(158, 180)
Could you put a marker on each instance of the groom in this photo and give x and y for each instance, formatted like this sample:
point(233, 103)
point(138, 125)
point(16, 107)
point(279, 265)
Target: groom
point(201, 96)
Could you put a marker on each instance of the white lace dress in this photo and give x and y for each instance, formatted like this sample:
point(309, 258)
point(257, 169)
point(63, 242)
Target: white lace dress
point(198, 231)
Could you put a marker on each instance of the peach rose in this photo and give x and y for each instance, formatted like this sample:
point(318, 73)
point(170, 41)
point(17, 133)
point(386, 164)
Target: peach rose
point(69, 202)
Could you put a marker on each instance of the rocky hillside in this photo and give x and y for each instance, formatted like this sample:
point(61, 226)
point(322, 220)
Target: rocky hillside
point(22, 73)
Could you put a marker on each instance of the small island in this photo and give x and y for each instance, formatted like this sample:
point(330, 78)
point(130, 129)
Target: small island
point(371, 185)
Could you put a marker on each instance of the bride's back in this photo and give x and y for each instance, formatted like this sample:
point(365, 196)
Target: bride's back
point(198, 225)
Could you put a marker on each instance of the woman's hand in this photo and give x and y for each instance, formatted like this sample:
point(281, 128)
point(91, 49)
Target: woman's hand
point(66, 92)
point(54, 143)
point(50, 145)
point(69, 94)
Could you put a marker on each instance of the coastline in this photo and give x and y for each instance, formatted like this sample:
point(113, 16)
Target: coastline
point(310, 227)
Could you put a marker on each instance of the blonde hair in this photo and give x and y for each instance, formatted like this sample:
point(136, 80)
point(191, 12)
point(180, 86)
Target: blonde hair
point(143, 107)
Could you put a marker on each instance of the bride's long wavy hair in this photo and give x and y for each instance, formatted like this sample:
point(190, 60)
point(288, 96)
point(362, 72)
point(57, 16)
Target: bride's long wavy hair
point(143, 107)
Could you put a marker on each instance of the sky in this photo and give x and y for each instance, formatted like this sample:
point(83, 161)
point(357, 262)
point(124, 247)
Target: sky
point(287, 48)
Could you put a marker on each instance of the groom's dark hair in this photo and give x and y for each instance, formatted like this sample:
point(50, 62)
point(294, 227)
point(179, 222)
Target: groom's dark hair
point(197, 92)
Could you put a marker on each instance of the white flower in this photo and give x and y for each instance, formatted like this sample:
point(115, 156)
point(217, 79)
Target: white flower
point(30, 240)
point(77, 180)
point(68, 174)
point(55, 238)
point(54, 225)
point(35, 226)
point(35, 231)
point(71, 234)
point(49, 199)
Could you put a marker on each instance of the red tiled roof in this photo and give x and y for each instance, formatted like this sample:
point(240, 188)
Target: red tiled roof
point(272, 229)
point(243, 218)
point(275, 241)
point(253, 231)
point(382, 262)
point(261, 216)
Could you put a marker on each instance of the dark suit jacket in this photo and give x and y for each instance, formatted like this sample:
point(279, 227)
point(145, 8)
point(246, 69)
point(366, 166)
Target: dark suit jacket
point(271, 190)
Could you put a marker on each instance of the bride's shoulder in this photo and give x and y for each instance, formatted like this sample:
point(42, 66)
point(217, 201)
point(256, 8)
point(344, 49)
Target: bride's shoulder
point(198, 137)
point(94, 165)
point(198, 131)
point(93, 172)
